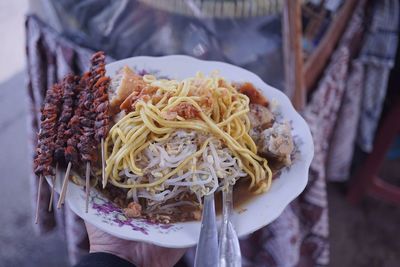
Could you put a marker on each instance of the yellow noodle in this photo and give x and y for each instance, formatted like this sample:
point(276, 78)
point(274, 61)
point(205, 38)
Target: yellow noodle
point(226, 119)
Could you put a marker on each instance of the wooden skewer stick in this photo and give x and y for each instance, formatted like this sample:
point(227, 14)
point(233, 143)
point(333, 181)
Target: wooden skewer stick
point(103, 164)
point(52, 194)
point(52, 189)
point(87, 185)
point(38, 198)
point(64, 186)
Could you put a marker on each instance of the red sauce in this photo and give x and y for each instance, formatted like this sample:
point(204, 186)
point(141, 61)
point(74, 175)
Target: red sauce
point(253, 94)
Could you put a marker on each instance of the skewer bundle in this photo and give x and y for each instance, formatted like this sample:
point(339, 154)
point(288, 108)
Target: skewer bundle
point(75, 119)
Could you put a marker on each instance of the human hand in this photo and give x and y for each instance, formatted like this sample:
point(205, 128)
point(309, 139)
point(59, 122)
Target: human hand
point(139, 253)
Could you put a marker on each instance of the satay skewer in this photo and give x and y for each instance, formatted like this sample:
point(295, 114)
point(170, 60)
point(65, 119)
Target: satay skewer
point(71, 135)
point(97, 115)
point(44, 157)
point(102, 121)
point(70, 89)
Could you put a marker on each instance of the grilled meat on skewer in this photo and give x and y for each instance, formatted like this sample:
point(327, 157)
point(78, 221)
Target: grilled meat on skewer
point(72, 135)
point(92, 98)
point(101, 105)
point(69, 86)
point(48, 131)
point(102, 108)
point(87, 145)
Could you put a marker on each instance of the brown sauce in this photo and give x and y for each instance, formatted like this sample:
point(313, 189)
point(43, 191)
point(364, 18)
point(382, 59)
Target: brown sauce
point(241, 195)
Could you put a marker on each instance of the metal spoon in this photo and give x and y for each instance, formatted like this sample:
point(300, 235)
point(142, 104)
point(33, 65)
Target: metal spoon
point(229, 249)
point(207, 248)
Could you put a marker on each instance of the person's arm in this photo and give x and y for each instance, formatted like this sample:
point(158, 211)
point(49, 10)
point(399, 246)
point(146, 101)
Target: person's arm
point(103, 259)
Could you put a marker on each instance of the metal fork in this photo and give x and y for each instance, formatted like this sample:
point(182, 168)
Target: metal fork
point(207, 248)
point(229, 249)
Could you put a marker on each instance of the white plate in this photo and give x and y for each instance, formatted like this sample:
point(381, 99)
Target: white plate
point(259, 212)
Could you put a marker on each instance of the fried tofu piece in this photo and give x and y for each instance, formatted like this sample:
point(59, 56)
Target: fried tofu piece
point(123, 85)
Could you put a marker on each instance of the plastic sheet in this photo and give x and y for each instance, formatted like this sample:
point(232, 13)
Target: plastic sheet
point(245, 33)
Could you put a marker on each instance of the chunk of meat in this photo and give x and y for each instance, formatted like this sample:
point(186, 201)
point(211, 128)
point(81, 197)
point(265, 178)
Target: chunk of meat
point(133, 210)
point(253, 94)
point(277, 142)
point(260, 116)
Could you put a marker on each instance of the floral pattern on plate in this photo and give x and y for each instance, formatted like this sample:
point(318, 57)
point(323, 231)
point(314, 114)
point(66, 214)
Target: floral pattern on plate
point(113, 215)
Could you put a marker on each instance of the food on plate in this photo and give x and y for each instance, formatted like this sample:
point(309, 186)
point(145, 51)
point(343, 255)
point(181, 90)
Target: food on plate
point(175, 141)
point(161, 144)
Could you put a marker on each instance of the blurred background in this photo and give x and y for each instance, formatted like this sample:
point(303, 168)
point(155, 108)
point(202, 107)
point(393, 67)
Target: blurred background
point(20, 245)
point(345, 82)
